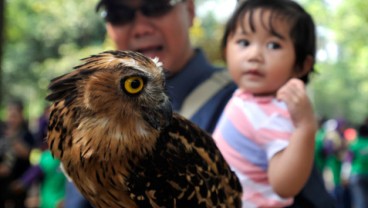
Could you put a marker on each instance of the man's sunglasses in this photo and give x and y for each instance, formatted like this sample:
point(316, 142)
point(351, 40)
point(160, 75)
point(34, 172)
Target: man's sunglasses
point(120, 14)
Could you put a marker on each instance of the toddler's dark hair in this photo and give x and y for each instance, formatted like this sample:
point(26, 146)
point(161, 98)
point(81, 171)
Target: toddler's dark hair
point(302, 26)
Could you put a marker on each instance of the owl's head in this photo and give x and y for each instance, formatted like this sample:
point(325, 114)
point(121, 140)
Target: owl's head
point(117, 85)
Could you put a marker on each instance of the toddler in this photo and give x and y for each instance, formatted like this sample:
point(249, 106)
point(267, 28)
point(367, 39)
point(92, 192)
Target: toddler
point(266, 132)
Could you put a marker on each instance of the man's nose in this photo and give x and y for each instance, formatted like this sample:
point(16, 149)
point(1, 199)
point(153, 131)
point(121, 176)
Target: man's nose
point(142, 25)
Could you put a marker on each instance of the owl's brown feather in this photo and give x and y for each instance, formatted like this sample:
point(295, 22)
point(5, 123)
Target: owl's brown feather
point(122, 145)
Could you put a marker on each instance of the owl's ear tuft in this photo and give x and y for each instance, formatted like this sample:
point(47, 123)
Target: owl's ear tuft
point(157, 61)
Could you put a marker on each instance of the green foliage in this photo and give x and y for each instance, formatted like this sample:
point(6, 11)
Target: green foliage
point(43, 39)
point(340, 90)
point(207, 34)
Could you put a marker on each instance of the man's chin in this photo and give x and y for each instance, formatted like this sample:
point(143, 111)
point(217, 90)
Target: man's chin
point(153, 55)
point(161, 58)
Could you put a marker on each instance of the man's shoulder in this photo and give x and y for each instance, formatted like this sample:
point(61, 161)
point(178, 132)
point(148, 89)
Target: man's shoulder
point(214, 89)
point(212, 103)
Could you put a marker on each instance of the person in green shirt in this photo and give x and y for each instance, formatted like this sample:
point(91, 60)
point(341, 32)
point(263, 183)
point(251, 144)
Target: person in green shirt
point(52, 186)
point(359, 168)
point(319, 153)
point(335, 149)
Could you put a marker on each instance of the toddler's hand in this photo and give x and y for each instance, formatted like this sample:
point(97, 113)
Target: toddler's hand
point(294, 94)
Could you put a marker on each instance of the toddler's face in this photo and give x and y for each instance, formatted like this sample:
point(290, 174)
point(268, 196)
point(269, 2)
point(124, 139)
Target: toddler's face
point(260, 56)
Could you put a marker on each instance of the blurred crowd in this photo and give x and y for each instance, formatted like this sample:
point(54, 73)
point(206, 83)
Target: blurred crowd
point(341, 156)
point(29, 175)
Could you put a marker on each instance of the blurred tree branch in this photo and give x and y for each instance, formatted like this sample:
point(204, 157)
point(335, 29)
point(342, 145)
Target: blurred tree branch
point(2, 22)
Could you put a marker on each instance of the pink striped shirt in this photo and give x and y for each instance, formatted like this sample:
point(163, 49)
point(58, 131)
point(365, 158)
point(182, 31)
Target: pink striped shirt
point(249, 133)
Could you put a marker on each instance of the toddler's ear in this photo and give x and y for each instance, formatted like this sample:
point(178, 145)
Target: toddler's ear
point(307, 66)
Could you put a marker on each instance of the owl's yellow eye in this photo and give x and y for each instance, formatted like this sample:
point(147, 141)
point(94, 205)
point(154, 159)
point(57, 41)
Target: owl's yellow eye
point(133, 85)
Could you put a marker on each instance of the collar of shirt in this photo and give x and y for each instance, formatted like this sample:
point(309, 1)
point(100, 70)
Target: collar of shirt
point(248, 96)
point(183, 83)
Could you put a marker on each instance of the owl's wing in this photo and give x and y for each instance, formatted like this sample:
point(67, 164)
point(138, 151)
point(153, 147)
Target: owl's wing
point(62, 122)
point(186, 170)
point(65, 173)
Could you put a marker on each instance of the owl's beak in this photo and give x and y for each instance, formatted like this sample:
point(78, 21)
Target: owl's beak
point(166, 110)
point(159, 117)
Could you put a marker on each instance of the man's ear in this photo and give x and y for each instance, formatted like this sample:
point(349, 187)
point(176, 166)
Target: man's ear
point(110, 31)
point(191, 10)
point(307, 66)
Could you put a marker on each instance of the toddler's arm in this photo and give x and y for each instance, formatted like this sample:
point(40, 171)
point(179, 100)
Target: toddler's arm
point(289, 169)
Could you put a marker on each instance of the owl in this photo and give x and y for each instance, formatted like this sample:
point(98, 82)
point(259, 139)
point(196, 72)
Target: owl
point(113, 129)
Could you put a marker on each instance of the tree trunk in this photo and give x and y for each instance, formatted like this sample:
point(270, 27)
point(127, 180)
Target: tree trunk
point(2, 23)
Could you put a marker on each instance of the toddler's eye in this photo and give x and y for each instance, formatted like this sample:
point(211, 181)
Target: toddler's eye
point(243, 42)
point(273, 45)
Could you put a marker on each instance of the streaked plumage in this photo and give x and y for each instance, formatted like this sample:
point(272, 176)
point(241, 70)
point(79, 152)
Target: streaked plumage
point(112, 127)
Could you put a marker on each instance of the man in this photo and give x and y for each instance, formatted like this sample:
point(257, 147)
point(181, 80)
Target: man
point(160, 28)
